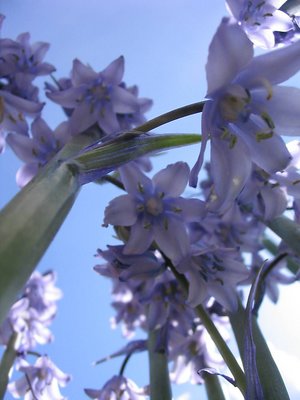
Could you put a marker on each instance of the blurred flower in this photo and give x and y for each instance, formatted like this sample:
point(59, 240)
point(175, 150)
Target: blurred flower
point(40, 381)
point(259, 19)
point(118, 388)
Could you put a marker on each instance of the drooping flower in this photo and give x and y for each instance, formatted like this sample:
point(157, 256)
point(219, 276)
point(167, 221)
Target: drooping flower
point(259, 19)
point(31, 315)
point(154, 210)
point(213, 273)
point(40, 381)
point(118, 387)
point(246, 110)
point(38, 149)
point(98, 98)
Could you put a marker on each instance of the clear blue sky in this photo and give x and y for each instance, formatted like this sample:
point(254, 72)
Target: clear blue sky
point(165, 45)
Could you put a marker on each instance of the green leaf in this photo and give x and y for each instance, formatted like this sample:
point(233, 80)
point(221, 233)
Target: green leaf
point(27, 226)
point(270, 378)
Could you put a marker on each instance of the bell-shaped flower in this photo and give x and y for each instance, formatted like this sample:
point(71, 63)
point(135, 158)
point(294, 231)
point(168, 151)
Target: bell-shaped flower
point(154, 210)
point(246, 111)
point(259, 19)
point(118, 387)
point(40, 381)
point(97, 98)
point(213, 273)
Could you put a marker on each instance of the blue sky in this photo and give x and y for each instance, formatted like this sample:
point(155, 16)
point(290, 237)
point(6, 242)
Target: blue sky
point(165, 45)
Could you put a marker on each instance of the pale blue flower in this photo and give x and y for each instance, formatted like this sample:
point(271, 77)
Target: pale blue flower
point(154, 210)
point(38, 149)
point(246, 110)
point(259, 19)
point(98, 98)
point(40, 381)
point(118, 387)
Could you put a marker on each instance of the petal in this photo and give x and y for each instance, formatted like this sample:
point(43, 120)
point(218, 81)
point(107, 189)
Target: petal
point(114, 72)
point(82, 74)
point(123, 101)
point(281, 21)
point(197, 288)
point(283, 108)
point(230, 168)
point(81, 119)
point(190, 209)
point(172, 180)
point(276, 66)
point(270, 154)
point(171, 237)
point(135, 182)
point(121, 211)
point(108, 121)
point(140, 239)
point(68, 98)
point(20, 104)
point(262, 37)
point(229, 52)
point(22, 146)
point(26, 173)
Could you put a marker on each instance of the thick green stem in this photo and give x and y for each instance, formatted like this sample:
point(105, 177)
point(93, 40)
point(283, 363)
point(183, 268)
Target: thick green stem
point(6, 364)
point(213, 387)
point(160, 388)
point(270, 378)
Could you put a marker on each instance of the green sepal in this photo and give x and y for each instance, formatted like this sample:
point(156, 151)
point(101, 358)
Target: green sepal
point(127, 148)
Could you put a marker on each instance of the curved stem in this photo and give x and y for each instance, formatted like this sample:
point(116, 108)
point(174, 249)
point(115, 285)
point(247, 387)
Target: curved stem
point(213, 387)
point(124, 363)
point(178, 113)
point(160, 388)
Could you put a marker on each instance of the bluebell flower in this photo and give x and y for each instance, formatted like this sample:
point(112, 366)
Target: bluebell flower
point(40, 381)
point(154, 210)
point(246, 111)
point(38, 149)
point(118, 387)
point(97, 98)
point(259, 19)
point(213, 273)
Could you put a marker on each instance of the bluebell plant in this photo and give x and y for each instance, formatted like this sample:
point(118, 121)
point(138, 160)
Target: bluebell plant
point(190, 246)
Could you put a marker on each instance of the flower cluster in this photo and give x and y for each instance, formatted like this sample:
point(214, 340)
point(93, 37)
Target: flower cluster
point(25, 327)
point(184, 255)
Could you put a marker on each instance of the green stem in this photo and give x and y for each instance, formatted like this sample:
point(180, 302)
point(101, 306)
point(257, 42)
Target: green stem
point(213, 387)
point(220, 343)
point(270, 378)
point(160, 388)
point(178, 113)
point(224, 350)
point(6, 364)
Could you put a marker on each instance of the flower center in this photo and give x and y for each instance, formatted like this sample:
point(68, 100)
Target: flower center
point(233, 104)
point(154, 206)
